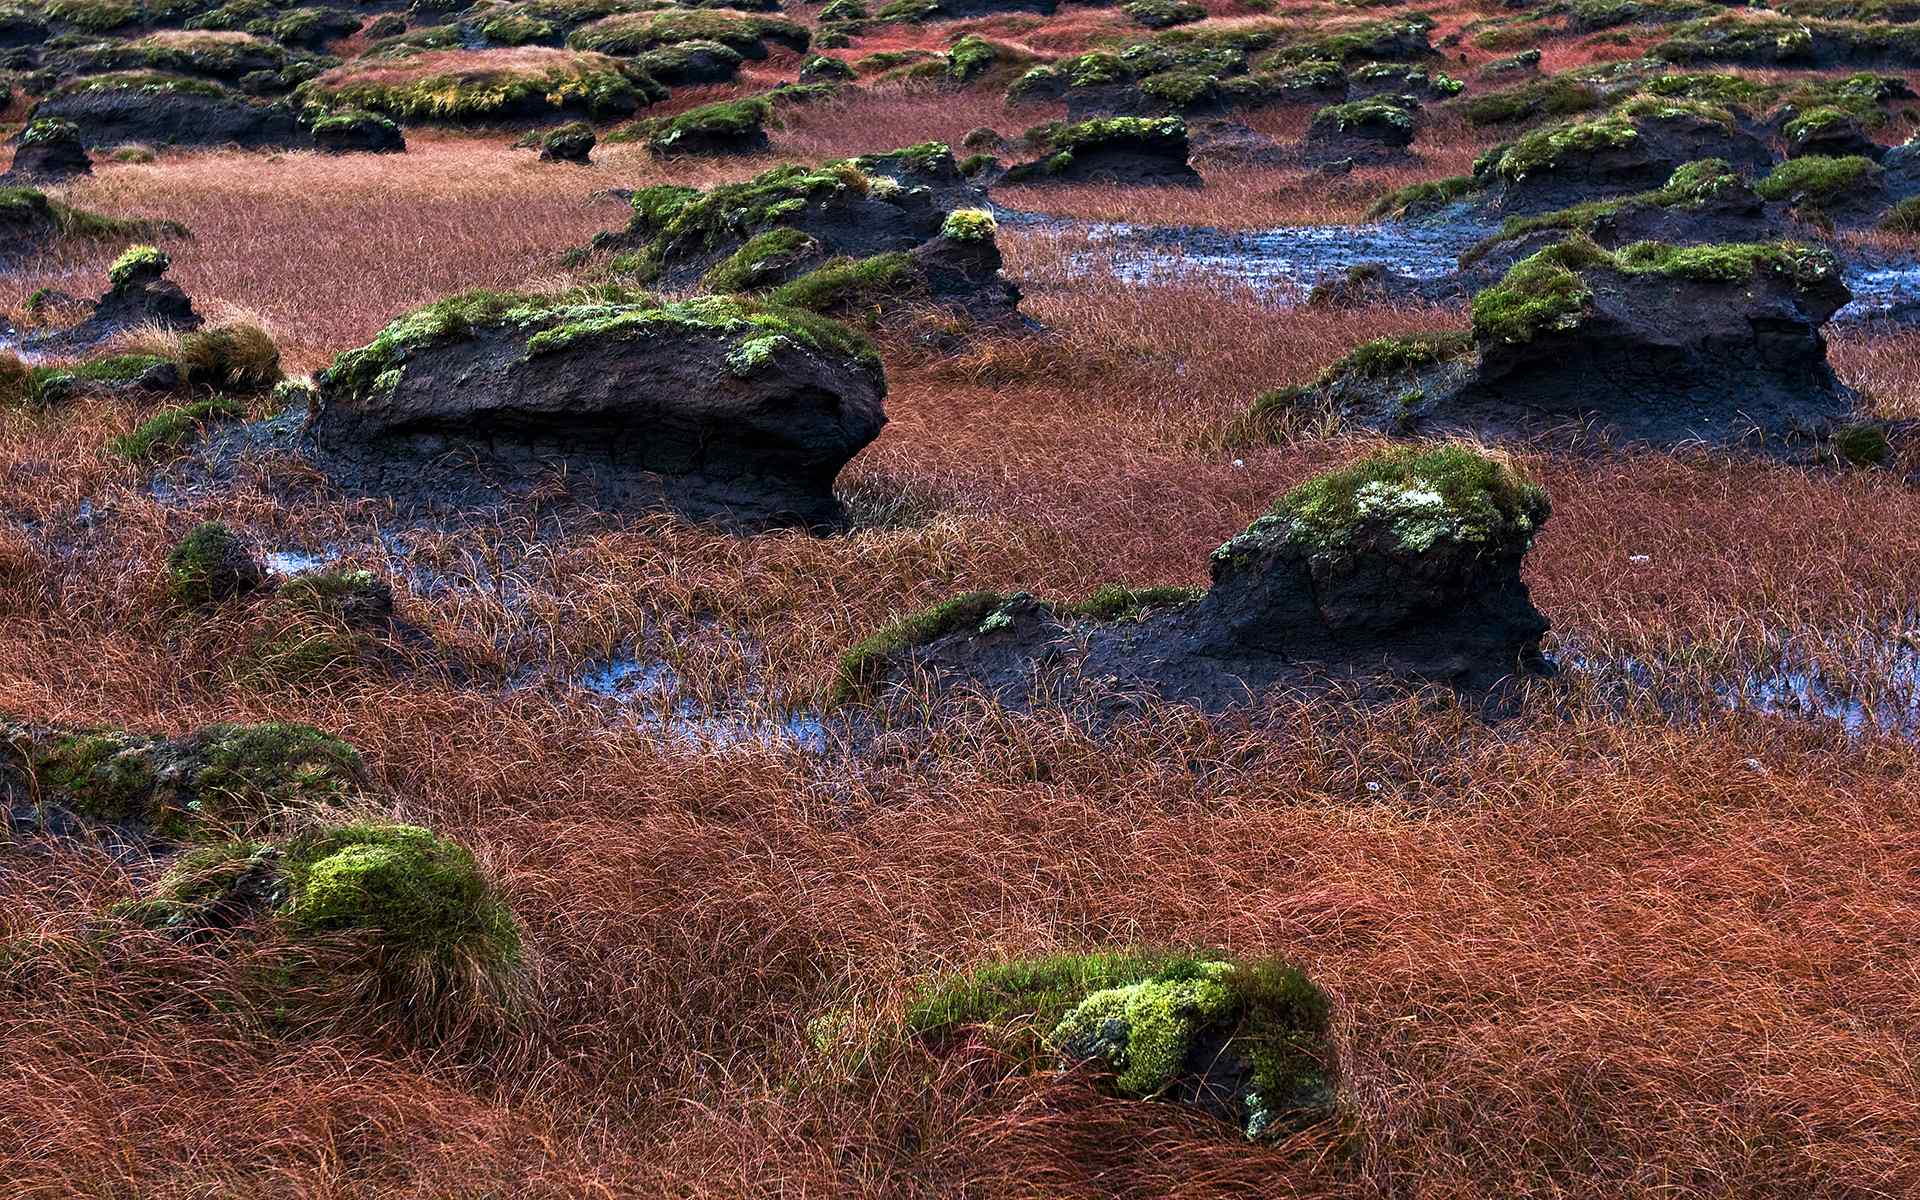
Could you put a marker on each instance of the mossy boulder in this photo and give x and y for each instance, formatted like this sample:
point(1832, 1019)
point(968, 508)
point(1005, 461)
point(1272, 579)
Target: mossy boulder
point(1131, 151)
point(693, 62)
point(1246, 1041)
point(715, 406)
point(459, 86)
point(215, 782)
point(1634, 148)
point(365, 916)
point(724, 127)
point(1656, 344)
point(1362, 130)
point(211, 564)
point(1702, 203)
point(572, 142)
point(48, 150)
point(354, 131)
point(159, 109)
point(789, 220)
point(1405, 566)
point(637, 33)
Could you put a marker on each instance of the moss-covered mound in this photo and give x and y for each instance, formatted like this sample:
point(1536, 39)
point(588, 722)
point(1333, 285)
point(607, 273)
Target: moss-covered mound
point(1122, 150)
point(1656, 343)
point(213, 782)
point(1414, 499)
point(724, 127)
point(157, 108)
point(459, 85)
point(1247, 1041)
point(1176, 76)
point(32, 221)
point(387, 916)
point(715, 406)
point(637, 33)
point(789, 220)
point(1769, 39)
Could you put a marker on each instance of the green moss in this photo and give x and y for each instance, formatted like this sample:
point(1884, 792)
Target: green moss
point(281, 763)
point(95, 16)
point(1164, 14)
point(1365, 114)
point(1427, 194)
point(970, 57)
point(669, 62)
point(861, 666)
point(1143, 1031)
point(555, 81)
point(147, 83)
point(679, 222)
point(1903, 217)
point(424, 896)
point(1420, 497)
point(969, 225)
point(1691, 184)
point(1817, 178)
point(845, 284)
point(1538, 294)
point(1545, 149)
point(138, 263)
point(550, 324)
point(386, 916)
point(758, 262)
point(1080, 135)
point(168, 431)
point(48, 129)
point(211, 564)
point(1558, 96)
point(1117, 602)
point(724, 120)
point(1861, 445)
point(211, 781)
point(45, 383)
point(633, 33)
point(1141, 1014)
point(1384, 357)
point(352, 121)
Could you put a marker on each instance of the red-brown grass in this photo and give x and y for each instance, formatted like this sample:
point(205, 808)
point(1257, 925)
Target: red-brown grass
point(1624, 943)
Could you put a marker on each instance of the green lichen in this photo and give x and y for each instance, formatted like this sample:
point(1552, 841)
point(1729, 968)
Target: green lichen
point(1419, 498)
point(862, 666)
point(1538, 294)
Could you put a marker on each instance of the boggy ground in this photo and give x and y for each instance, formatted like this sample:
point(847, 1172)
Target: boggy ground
point(1626, 942)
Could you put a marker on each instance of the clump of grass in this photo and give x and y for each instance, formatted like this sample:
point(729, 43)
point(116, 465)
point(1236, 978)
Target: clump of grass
point(211, 565)
point(235, 356)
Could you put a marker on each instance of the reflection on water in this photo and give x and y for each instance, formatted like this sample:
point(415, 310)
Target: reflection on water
point(645, 690)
